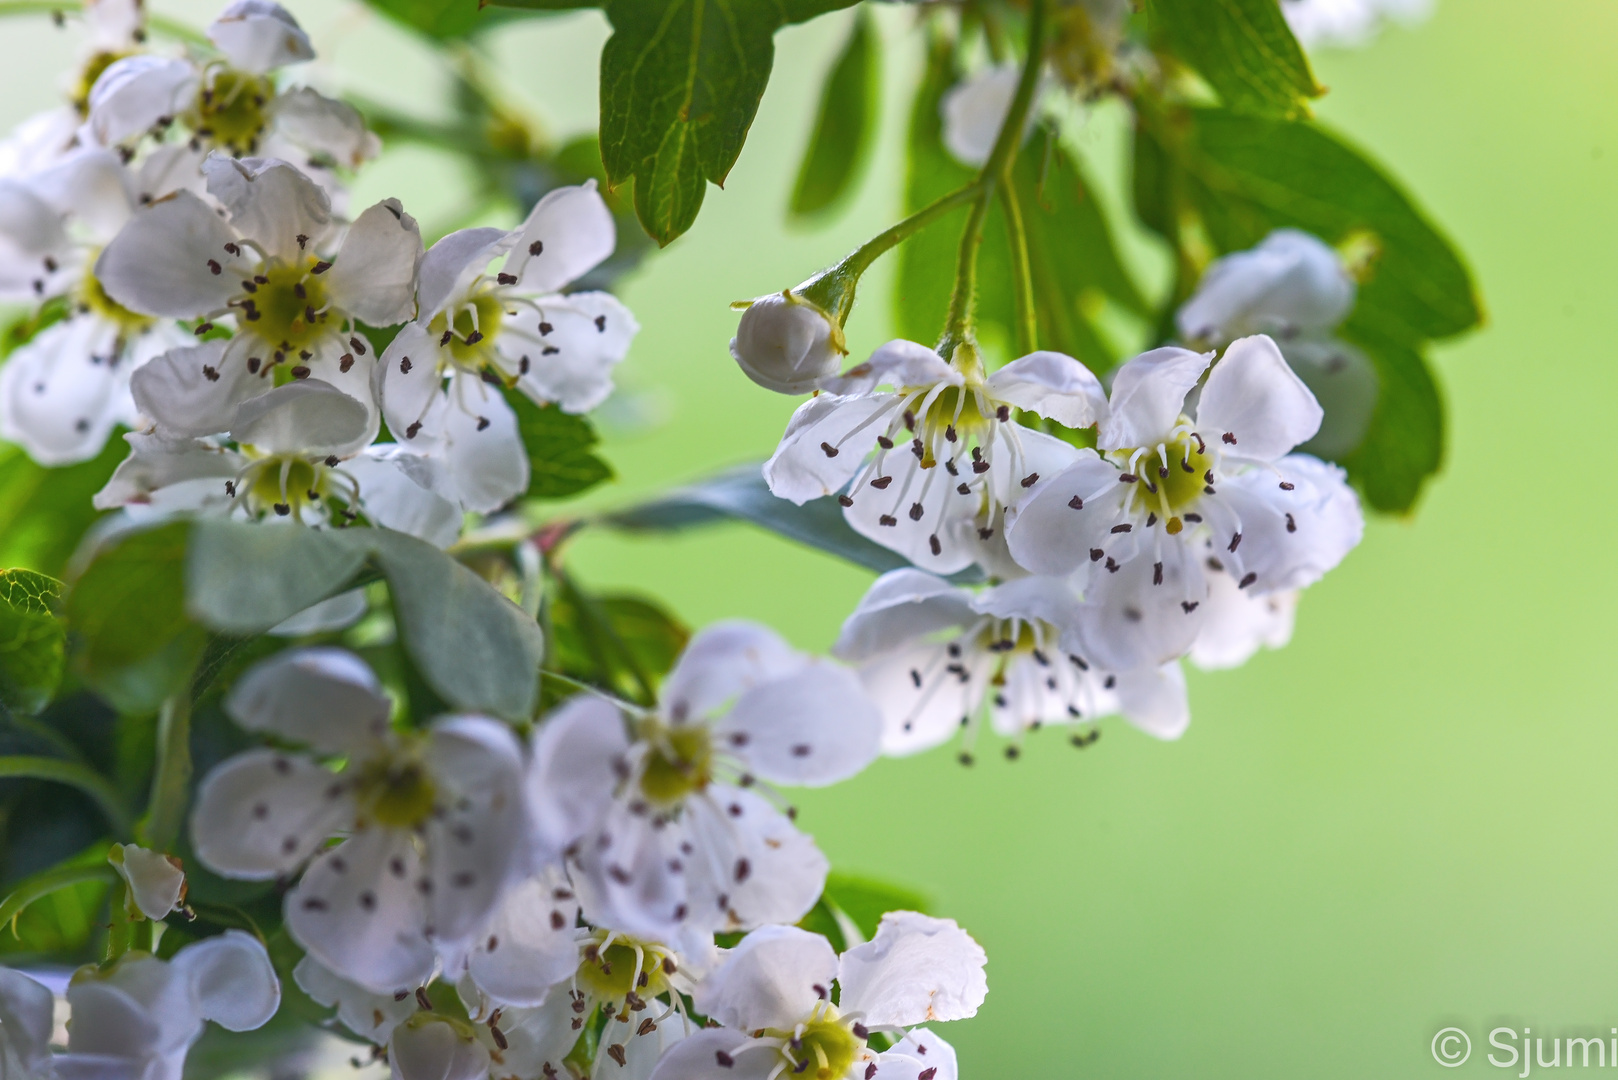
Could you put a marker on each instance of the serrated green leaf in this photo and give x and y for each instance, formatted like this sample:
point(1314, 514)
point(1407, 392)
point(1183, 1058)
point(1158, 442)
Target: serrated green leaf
point(839, 148)
point(32, 640)
point(1243, 48)
point(560, 458)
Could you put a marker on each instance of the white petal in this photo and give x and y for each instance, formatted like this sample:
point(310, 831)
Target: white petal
point(538, 1037)
point(400, 490)
point(922, 701)
point(528, 944)
point(801, 469)
point(1066, 517)
point(134, 93)
point(1255, 403)
point(156, 463)
point(155, 883)
point(333, 613)
point(973, 111)
point(1046, 599)
point(572, 363)
point(169, 168)
point(1148, 394)
point(1053, 385)
point(450, 265)
point(641, 1052)
point(716, 1054)
point(1129, 621)
point(1153, 699)
point(928, 1051)
point(433, 1050)
point(114, 25)
point(259, 36)
point(898, 364)
point(158, 263)
point(1291, 536)
point(568, 233)
point(571, 778)
point(367, 1014)
point(1289, 284)
point(473, 848)
point(62, 394)
point(899, 607)
point(26, 1009)
point(633, 878)
point(326, 698)
point(271, 202)
point(813, 727)
point(723, 661)
point(32, 240)
point(1241, 622)
point(916, 969)
point(410, 385)
point(484, 448)
point(918, 507)
point(92, 186)
point(373, 277)
point(360, 911)
point(772, 979)
point(1345, 383)
point(325, 126)
point(305, 417)
point(231, 979)
point(259, 815)
point(753, 857)
point(109, 1020)
point(1019, 458)
point(175, 392)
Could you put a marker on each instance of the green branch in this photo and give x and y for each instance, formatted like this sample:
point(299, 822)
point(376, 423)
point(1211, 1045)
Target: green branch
point(87, 780)
point(165, 811)
point(1022, 277)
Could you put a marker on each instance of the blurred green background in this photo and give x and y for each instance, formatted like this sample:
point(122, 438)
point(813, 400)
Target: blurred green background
point(1403, 821)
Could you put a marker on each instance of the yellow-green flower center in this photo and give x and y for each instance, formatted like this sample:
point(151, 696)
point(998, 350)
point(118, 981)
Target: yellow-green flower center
point(231, 109)
point(396, 792)
point(285, 484)
point(1167, 480)
point(469, 339)
point(825, 1050)
point(678, 763)
point(88, 74)
point(286, 305)
point(92, 298)
point(947, 426)
point(625, 967)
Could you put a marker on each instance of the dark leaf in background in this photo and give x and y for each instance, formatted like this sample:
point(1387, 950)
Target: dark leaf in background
point(740, 494)
point(845, 127)
point(32, 640)
point(1405, 443)
point(45, 511)
point(450, 20)
point(243, 579)
point(560, 458)
point(862, 902)
point(1243, 48)
point(618, 635)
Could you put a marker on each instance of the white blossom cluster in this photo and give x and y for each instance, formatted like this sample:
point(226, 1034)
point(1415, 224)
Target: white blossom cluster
point(1186, 529)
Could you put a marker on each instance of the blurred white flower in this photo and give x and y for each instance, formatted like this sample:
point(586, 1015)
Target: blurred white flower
point(1347, 23)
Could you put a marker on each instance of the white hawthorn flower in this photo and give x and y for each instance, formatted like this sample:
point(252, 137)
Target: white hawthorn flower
point(430, 1046)
point(1238, 623)
point(139, 1017)
point(1290, 285)
point(433, 819)
point(1346, 23)
point(155, 881)
point(27, 1008)
point(949, 455)
point(63, 392)
point(1134, 521)
point(772, 994)
point(366, 1013)
point(936, 658)
point(787, 344)
point(291, 461)
point(231, 102)
point(656, 812)
point(510, 329)
point(291, 279)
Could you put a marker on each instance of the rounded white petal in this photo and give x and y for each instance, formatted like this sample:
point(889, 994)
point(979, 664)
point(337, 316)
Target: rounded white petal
point(973, 111)
point(450, 265)
point(813, 727)
point(160, 465)
point(433, 1050)
point(1046, 599)
point(113, 25)
point(802, 468)
point(231, 980)
point(1153, 699)
point(271, 203)
point(571, 362)
point(409, 384)
point(93, 187)
point(916, 969)
point(1241, 622)
point(571, 776)
point(133, 94)
point(720, 663)
point(178, 394)
point(373, 277)
point(115, 1019)
point(716, 1054)
point(924, 692)
point(786, 344)
point(898, 363)
point(899, 607)
point(1290, 536)
point(155, 883)
point(26, 1008)
point(326, 698)
point(63, 392)
point(1255, 403)
point(568, 233)
point(367, 1014)
point(1131, 620)
point(771, 979)
point(1148, 394)
point(1053, 385)
point(1291, 283)
point(539, 1037)
point(633, 877)
point(1068, 517)
point(325, 126)
point(932, 1057)
point(528, 944)
point(259, 36)
point(922, 514)
point(402, 491)
point(483, 447)
point(310, 417)
point(751, 860)
point(360, 911)
point(159, 262)
point(259, 815)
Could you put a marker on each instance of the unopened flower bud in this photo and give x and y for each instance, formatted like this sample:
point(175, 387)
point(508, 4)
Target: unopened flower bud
point(787, 344)
point(1289, 285)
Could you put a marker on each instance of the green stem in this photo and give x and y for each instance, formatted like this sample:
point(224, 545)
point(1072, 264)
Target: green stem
point(1022, 278)
point(167, 27)
point(80, 776)
point(172, 781)
point(957, 328)
point(43, 884)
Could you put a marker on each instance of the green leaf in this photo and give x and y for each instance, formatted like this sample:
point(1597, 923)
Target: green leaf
point(845, 127)
point(865, 900)
point(45, 512)
point(680, 83)
point(1247, 176)
point(77, 872)
point(740, 494)
point(559, 444)
point(32, 640)
point(243, 579)
point(1404, 444)
point(619, 640)
point(449, 20)
point(1243, 48)
point(74, 774)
